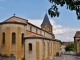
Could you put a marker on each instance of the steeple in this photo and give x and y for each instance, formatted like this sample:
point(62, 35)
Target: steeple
point(46, 25)
point(46, 21)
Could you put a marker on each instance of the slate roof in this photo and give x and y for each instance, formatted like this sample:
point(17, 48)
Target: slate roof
point(46, 21)
point(77, 34)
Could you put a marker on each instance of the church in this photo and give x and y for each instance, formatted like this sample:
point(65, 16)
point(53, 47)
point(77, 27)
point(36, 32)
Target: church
point(26, 41)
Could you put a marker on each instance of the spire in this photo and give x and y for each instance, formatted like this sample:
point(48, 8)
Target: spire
point(46, 20)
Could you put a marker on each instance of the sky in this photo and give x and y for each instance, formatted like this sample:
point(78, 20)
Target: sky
point(64, 26)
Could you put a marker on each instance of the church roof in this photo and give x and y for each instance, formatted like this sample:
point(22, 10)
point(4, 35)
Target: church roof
point(77, 34)
point(15, 17)
point(46, 20)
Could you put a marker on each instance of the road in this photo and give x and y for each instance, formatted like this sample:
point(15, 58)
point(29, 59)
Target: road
point(67, 57)
point(70, 57)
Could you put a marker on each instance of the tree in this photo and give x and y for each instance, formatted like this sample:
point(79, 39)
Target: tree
point(70, 47)
point(70, 4)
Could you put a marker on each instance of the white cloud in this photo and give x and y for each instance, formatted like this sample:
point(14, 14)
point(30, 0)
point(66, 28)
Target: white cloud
point(61, 33)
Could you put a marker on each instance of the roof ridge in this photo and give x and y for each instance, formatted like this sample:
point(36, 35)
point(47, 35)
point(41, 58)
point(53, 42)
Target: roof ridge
point(16, 17)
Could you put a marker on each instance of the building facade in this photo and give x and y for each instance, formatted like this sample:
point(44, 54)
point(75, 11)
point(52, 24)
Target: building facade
point(27, 41)
point(77, 42)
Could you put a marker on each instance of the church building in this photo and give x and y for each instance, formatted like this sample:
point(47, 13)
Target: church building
point(26, 41)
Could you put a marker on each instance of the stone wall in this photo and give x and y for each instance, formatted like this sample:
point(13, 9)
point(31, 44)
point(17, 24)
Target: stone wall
point(5, 57)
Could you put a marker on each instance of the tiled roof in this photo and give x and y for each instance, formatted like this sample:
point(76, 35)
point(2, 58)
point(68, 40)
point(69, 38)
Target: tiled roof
point(16, 17)
point(34, 35)
point(67, 43)
point(77, 34)
point(12, 23)
point(46, 21)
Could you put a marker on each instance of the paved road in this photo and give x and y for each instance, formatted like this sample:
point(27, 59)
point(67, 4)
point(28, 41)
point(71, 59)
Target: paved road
point(70, 57)
point(67, 57)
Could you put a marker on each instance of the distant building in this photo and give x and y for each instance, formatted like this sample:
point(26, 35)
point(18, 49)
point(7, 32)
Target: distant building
point(77, 42)
point(63, 45)
point(23, 39)
point(66, 43)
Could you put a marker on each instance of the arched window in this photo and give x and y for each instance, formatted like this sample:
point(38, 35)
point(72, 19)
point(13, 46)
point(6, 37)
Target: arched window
point(13, 38)
point(30, 47)
point(22, 38)
point(3, 38)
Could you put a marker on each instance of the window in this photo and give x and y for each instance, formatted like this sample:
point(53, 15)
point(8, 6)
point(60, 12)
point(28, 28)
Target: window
point(43, 28)
point(13, 38)
point(30, 47)
point(31, 28)
point(3, 38)
point(44, 33)
point(22, 38)
point(41, 32)
point(36, 31)
point(48, 29)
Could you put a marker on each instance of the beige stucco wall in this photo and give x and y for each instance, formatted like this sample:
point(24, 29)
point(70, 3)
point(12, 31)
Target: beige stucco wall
point(32, 55)
point(38, 31)
point(13, 49)
point(45, 50)
point(28, 27)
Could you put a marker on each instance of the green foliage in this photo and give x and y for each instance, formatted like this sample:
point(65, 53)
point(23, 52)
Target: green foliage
point(70, 4)
point(70, 47)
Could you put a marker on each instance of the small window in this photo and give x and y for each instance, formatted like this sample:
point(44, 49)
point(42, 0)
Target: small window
point(48, 29)
point(13, 38)
point(41, 32)
point(3, 38)
point(30, 47)
point(22, 38)
point(43, 28)
point(36, 30)
point(44, 33)
point(31, 28)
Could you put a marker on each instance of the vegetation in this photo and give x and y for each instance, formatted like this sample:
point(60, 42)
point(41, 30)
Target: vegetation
point(70, 47)
point(70, 4)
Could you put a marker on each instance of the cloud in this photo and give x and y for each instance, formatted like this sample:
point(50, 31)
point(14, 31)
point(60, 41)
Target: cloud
point(61, 33)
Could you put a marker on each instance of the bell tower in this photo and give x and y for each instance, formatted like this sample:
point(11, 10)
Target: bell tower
point(46, 25)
